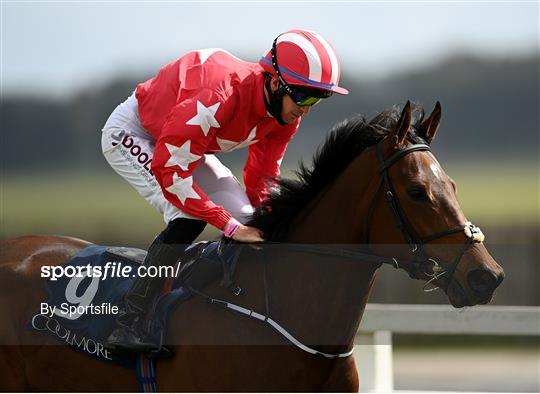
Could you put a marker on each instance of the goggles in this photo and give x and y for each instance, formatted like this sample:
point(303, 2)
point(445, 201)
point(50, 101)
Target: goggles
point(303, 96)
point(303, 99)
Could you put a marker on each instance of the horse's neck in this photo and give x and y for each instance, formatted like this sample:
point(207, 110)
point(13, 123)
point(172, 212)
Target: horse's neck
point(339, 288)
point(336, 215)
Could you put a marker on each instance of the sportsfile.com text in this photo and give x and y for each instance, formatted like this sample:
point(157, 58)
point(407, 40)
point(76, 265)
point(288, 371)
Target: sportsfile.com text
point(112, 269)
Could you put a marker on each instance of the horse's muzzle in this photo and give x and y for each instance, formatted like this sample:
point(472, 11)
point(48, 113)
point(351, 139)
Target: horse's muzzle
point(483, 282)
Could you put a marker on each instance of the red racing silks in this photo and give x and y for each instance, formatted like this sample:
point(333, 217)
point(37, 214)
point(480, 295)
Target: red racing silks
point(209, 102)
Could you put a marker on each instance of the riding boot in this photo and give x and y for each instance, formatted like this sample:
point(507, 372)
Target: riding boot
point(130, 335)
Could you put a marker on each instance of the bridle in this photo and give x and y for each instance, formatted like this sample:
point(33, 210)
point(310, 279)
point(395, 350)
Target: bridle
point(421, 262)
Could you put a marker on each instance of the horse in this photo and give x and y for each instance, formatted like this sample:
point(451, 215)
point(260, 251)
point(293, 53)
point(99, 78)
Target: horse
point(373, 184)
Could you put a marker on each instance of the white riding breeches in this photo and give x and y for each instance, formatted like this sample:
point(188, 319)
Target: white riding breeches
point(129, 149)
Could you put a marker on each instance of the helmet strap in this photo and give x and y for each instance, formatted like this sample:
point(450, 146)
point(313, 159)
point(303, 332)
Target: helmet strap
point(282, 83)
point(274, 102)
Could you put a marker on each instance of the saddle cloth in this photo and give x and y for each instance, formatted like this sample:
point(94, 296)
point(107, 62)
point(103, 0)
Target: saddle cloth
point(201, 264)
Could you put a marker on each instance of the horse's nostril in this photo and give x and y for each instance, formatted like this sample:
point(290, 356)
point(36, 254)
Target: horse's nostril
point(482, 281)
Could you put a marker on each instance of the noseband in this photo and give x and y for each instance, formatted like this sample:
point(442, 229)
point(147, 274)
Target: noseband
point(421, 262)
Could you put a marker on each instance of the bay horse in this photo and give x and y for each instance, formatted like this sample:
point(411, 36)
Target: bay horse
point(374, 183)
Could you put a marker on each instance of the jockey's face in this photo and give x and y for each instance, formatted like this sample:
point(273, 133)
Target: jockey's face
point(290, 111)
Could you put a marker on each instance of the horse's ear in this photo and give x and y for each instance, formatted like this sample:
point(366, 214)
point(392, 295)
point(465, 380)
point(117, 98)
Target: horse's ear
point(429, 126)
point(403, 125)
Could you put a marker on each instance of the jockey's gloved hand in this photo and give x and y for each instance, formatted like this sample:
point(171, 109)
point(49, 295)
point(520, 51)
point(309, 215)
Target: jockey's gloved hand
point(241, 233)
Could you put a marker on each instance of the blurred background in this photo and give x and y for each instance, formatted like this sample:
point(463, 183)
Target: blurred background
point(65, 67)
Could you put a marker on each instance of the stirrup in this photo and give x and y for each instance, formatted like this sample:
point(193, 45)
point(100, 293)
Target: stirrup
point(161, 352)
point(124, 347)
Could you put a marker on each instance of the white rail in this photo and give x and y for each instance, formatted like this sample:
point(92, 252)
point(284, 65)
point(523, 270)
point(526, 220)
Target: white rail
point(374, 358)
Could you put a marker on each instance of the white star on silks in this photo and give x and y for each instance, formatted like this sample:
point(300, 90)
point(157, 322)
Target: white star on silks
point(181, 156)
point(183, 188)
point(204, 54)
point(227, 145)
point(205, 117)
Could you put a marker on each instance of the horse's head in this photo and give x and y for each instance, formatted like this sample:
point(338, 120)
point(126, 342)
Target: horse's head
point(378, 183)
point(420, 206)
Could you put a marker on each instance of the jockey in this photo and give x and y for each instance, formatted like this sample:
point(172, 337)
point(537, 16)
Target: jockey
point(164, 137)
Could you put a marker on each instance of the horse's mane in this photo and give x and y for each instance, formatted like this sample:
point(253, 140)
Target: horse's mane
point(345, 141)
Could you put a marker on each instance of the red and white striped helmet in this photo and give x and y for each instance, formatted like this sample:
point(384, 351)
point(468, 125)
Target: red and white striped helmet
point(305, 58)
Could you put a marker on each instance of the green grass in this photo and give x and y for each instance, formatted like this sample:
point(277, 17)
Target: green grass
point(102, 207)
point(498, 193)
point(88, 206)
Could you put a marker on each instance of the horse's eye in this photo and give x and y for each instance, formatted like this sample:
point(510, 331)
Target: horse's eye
point(418, 193)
